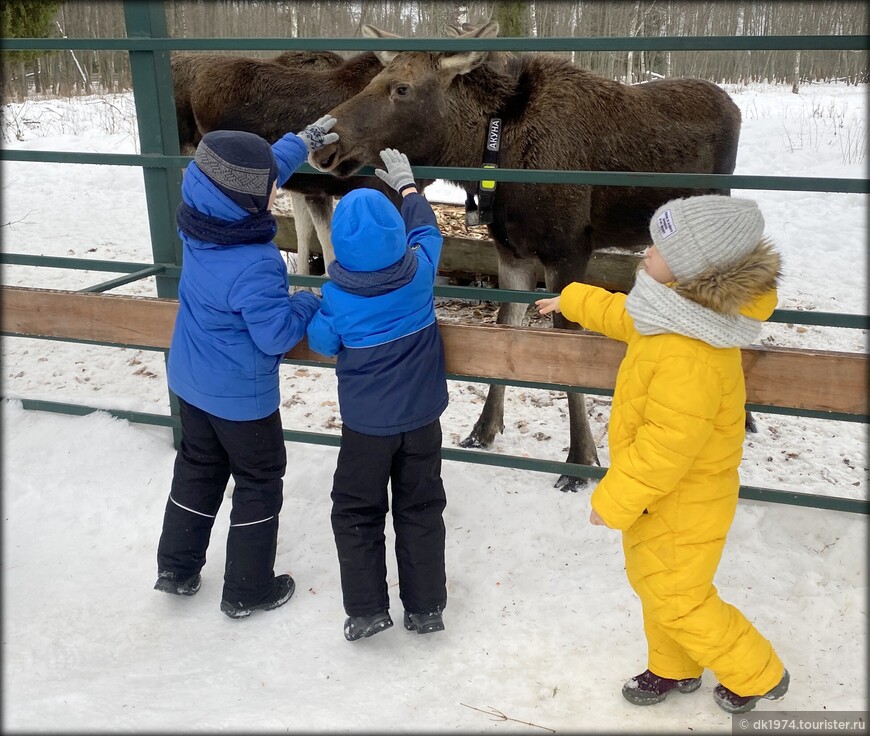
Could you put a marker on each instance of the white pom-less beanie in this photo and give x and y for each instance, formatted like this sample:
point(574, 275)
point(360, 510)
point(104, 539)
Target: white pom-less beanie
point(710, 231)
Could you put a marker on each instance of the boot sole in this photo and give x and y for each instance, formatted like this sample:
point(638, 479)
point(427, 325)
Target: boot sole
point(370, 631)
point(424, 629)
point(632, 697)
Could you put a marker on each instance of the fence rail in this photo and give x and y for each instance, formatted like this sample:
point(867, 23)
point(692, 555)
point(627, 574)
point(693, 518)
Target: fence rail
point(564, 43)
point(534, 176)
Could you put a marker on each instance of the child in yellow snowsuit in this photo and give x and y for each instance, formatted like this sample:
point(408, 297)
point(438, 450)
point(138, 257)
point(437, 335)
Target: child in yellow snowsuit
point(676, 435)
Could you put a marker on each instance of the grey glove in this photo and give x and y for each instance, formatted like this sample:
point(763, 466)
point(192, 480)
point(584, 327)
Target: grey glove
point(317, 135)
point(398, 174)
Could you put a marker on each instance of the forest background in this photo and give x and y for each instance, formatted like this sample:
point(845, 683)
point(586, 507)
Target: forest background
point(68, 73)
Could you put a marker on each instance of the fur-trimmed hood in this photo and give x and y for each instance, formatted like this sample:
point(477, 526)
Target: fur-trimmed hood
point(736, 289)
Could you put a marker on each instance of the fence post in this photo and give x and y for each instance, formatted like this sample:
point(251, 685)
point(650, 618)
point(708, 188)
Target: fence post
point(158, 135)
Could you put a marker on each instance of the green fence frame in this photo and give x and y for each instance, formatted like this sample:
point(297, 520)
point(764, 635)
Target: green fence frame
point(149, 46)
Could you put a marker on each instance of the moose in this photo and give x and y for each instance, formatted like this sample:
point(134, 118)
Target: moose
point(436, 108)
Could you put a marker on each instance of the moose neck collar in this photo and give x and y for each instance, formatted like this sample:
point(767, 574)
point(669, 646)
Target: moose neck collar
point(480, 212)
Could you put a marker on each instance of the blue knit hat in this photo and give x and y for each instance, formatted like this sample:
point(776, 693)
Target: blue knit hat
point(368, 233)
point(239, 164)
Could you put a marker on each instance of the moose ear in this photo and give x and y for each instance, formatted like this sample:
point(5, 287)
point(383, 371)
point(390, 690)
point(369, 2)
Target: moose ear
point(453, 30)
point(464, 61)
point(371, 32)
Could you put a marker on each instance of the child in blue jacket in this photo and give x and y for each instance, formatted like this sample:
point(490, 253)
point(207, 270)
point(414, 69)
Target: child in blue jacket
point(236, 319)
point(378, 316)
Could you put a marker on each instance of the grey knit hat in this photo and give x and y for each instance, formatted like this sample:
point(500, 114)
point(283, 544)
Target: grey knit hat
point(239, 164)
point(710, 231)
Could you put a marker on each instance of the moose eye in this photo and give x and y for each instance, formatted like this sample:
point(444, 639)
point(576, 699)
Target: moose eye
point(402, 90)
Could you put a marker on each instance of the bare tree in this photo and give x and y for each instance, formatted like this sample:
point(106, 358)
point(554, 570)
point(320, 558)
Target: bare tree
point(62, 73)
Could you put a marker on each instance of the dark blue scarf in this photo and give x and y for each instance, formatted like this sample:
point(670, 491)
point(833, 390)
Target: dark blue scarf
point(257, 228)
point(375, 283)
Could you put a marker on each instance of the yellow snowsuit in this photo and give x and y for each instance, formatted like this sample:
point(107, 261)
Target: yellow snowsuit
point(676, 435)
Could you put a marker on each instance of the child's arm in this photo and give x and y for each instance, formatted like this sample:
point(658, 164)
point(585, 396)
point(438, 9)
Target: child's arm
point(420, 222)
point(322, 336)
point(276, 320)
point(422, 227)
point(292, 150)
point(683, 399)
point(595, 308)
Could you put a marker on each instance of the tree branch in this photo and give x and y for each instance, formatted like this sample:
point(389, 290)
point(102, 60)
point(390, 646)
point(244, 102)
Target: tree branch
point(499, 716)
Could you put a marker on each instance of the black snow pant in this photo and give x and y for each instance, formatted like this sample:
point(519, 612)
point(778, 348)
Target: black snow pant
point(411, 463)
point(212, 449)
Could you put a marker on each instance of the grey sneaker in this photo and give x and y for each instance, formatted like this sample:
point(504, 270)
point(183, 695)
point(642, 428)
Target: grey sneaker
point(648, 688)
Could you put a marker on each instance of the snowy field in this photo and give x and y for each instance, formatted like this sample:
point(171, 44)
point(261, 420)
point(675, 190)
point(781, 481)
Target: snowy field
point(541, 623)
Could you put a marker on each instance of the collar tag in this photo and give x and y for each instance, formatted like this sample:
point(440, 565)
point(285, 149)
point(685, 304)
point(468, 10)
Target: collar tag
point(493, 136)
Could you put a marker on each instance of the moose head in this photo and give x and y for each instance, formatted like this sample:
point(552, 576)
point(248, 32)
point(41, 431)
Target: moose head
point(406, 106)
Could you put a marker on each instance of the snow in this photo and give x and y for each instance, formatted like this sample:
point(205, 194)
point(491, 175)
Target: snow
point(542, 626)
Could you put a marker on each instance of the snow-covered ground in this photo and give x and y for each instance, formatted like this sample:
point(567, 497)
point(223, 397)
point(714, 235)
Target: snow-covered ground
point(541, 623)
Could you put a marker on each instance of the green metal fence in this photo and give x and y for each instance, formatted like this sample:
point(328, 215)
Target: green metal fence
point(160, 159)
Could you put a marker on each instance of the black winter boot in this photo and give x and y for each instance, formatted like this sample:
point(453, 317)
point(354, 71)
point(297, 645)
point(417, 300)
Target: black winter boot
point(731, 702)
point(424, 623)
point(362, 627)
point(283, 588)
point(168, 582)
point(648, 688)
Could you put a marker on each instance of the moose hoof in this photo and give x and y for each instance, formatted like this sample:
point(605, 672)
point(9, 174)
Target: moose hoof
point(569, 483)
point(473, 441)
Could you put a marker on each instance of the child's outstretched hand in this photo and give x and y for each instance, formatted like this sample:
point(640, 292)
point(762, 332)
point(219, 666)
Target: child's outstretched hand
point(545, 306)
point(398, 174)
point(595, 519)
point(317, 135)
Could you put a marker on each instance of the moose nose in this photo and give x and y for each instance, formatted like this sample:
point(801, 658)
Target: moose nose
point(326, 158)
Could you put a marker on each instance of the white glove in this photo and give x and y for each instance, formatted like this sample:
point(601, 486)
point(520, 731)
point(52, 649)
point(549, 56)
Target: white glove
point(398, 174)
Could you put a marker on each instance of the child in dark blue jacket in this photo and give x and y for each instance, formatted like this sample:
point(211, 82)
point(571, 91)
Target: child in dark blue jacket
point(236, 319)
point(378, 316)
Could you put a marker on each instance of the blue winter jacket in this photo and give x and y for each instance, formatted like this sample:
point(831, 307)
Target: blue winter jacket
point(236, 318)
point(390, 366)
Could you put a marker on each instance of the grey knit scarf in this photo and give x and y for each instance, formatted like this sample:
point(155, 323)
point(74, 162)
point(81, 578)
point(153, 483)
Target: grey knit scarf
point(375, 283)
point(657, 309)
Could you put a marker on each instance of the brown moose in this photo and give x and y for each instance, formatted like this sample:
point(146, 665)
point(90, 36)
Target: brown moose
point(436, 107)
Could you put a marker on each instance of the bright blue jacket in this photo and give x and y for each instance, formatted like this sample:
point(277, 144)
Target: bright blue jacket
point(236, 318)
point(390, 366)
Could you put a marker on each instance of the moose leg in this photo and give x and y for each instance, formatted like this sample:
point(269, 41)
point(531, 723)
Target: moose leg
point(305, 232)
point(512, 274)
point(582, 448)
point(320, 210)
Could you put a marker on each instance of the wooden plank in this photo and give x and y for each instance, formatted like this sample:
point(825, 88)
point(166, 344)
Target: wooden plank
point(470, 257)
point(122, 320)
point(803, 379)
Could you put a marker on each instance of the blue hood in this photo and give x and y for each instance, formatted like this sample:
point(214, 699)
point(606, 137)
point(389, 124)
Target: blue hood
point(368, 232)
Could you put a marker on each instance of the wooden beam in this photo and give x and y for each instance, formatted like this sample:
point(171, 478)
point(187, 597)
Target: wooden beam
point(470, 257)
point(813, 380)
